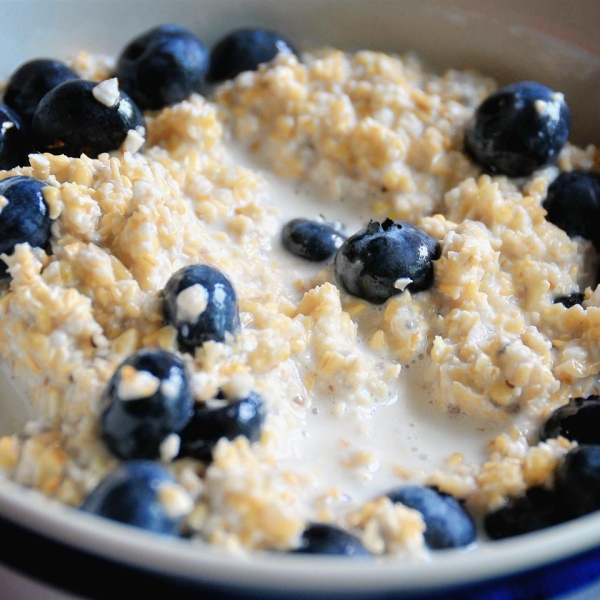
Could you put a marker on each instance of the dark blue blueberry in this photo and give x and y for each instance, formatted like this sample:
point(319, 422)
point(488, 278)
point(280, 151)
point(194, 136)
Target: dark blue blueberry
point(130, 494)
point(15, 141)
point(578, 480)
point(447, 524)
point(578, 421)
point(25, 217)
point(536, 509)
point(243, 416)
point(244, 50)
point(319, 538)
point(30, 82)
point(518, 129)
point(218, 312)
point(571, 300)
point(70, 120)
point(148, 398)
point(162, 66)
point(369, 263)
point(313, 240)
point(573, 204)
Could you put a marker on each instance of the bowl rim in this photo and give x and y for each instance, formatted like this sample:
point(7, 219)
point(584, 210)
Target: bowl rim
point(198, 562)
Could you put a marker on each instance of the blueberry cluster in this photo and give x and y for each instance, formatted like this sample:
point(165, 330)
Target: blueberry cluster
point(48, 109)
point(149, 411)
point(447, 525)
point(576, 489)
point(523, 127)
point(376, 263)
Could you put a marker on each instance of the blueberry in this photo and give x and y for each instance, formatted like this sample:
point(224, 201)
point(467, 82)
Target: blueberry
point(518, 129)
point(447, 524)
point(573, 204)
point(162, 66)
point(25, 218)
point(131, 494)
point(148, 398)
point(244, 50)
point(571, 300)
point(578, 421)
point(243, 416)
point(578, 480)
point(319, 538)
point(536, 509)
point(200, 302)
point(71, 120)
point(369, 263)
point(15, 141)
point(31, 82)
point(313, 240)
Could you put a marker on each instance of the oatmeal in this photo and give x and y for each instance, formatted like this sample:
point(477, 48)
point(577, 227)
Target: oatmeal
point(479, 355)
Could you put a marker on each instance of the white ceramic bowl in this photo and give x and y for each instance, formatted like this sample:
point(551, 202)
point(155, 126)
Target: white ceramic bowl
point(546, 40)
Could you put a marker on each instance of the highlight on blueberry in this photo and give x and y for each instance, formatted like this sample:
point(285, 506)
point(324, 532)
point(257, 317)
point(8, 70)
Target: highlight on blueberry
point(313, 240)
point(244, 50)
point(15, 142)
point(200, 302)
point(86, 117)
point(573, 204)
point(147, 399)
point(320, 538)
point(447, 524)
point(518, 129)
point(25, 218)
point(384, 259)
point(577, 421)
point(233, 418)
point(143, 494)
point(162, 66)
point(31, 81)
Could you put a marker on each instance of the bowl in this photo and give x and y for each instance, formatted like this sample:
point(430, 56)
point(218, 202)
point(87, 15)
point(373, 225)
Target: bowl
point(511, 41)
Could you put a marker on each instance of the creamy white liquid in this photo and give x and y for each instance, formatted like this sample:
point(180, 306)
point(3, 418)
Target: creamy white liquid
point(404, 439)
point(408, 437)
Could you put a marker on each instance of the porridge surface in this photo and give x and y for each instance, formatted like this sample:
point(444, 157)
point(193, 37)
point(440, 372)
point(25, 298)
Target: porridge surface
point(353, 391)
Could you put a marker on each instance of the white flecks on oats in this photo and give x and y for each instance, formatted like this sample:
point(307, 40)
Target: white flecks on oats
point(175, 500)
point(400, 284)
point(134, 140)
point(390, 528)
point(238, 386)
point(169, 448)
point(191, 303)
point(171, 387)
point(107, 92)
point(135, 384)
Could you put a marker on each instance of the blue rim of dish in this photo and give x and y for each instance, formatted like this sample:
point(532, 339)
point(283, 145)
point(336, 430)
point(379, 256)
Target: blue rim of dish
point(90, 576)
